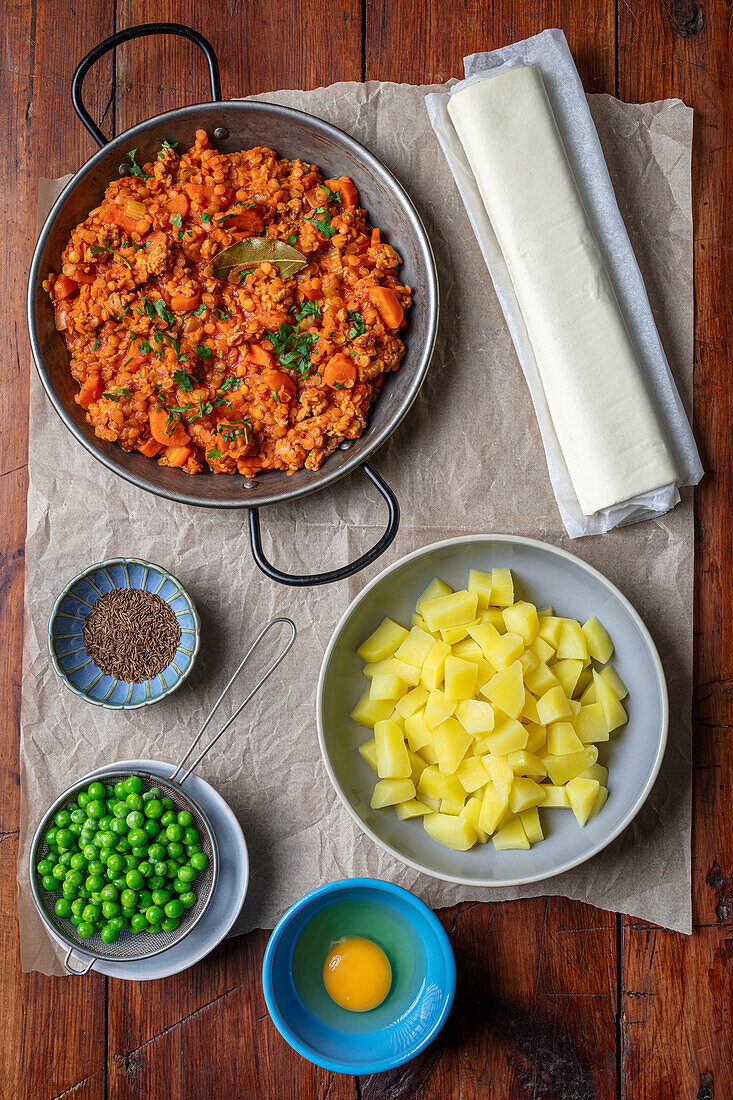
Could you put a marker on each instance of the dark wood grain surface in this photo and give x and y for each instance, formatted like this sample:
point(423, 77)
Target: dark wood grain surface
point(555, 999)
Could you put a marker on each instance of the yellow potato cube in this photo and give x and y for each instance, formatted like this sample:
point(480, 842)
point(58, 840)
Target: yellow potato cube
point(475, 716)
point(433, 670)
point(433, 804)
point(597, 640)
point(614, 681)
point(505, 690)
point(417, 766)
point(529, 710)
point(435, 588)
point(555, 796)
point(562, 739)
point(453, 634)
point(407, 673)
point(434, 784)
point(453, 832)
point(511, 836)
point(561, 769)
point(411, 703)
point(502, 588)
point(455, 610)
point(521, 618)
point(493, 809)
point(388, 792)
point(532, 827)
point(599, 803)
point(500, 774)
point(492, 616)
point(503, 650)
point(417, 620)
point(553, 706)
point(550, 627)
point(542, 650)
point(387, 686)
point(536, 736)
point(572, 641)
point(427, 752)
point(541, 679)
point(416, 731)
point(453, 805)
point(482, 633)
point(480, 583)
point(451, 743)
point(590, 723)
point(411, 808)
point(392, 759)
point(613, 710)
point(388, 636)
point(568, 673)
point(368, 711)
point(528, 661)
point(460, 678)
point(415, 648)
point(509, 735)
point(472, 774)
point(373, 670)
point(471, 813)
point(526, 763)
point(582, 794)
point(585, 678)
point(525, 793)
point(368, 752)
point(596, 771)
point(468, 650)
point(437, 708)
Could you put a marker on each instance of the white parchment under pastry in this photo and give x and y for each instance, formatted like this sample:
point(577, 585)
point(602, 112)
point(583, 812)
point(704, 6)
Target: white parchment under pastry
point(468, 458)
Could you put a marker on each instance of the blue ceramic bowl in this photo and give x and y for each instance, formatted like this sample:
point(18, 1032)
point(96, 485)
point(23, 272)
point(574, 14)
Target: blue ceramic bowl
point(423, 976)
point(66, 646)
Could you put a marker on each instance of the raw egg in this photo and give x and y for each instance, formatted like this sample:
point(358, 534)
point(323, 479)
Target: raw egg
point(357, 974)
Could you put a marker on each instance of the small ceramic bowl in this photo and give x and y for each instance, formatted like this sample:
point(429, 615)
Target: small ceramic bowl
point(66, 646)
point(423, 976)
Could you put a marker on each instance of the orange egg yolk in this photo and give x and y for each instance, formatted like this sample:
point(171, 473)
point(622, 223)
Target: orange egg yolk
point(357, 974)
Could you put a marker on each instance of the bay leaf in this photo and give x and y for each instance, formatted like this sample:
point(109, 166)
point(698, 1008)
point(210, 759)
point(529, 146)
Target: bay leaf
point(232, 264)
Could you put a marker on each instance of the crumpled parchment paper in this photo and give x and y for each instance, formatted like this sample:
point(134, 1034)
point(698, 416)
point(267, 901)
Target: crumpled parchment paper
point(468, 458)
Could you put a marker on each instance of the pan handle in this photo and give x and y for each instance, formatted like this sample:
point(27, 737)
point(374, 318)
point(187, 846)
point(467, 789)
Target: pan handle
point(86, 966)
point(127, 35)
point(275, 574)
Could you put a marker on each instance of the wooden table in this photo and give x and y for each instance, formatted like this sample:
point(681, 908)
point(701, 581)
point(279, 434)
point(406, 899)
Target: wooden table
point(555, 998)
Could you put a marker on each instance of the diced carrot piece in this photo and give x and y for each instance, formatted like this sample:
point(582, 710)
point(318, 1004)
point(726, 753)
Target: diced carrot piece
point(159, 429)
point(150, 447)
point(249, 222)
point(257, 354)
point(115, 215)
point(86, 276)
point(177, 456)
point(91, 391)
point(340, 371)
point(312, 293)
point(387, 305)
point(63, 287)
point(135, 352)
point(346, 189)
point(236, 403)
point(281, 383)
point(179, 204)
point(375, 238)
point(181, 303)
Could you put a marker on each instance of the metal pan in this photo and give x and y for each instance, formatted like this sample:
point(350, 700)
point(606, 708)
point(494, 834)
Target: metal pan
point(240, 125)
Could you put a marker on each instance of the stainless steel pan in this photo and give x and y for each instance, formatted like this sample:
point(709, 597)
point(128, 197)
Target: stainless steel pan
point(240, 125)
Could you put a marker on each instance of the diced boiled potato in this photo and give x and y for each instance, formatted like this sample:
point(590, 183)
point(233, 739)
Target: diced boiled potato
point(599, 803)
point(553, 706)
point(387, 686)
point(411, 703)
point(417, 620)
point(526, 763)
point(480, 583)
point(550, 627)
point(511, 836)
point(417, 766)
point(555, 796)
point(541, 679)
point(493, 809)
point(503, 650)
point(572, 641)
point(416, 731)
point(508, 735)
point(435, 588)
point(590, 723)
point(407, 673)
point(561, 769)
point(468, 649)
point(598, 640)
point(596, 771)
point(614, 681)
point(427, 752)
point(562, 739)
point(482, 633)
point(505, 690)
point(502, 588)
point(532, 827)
point(589, 694)
point(433, 669)
point(392, 759)
point(584, 680)
point(437, 708)
point(536, 736)
point(543, 612)
point(457, 609)
point(453, 804)
point(529, 710)
point(453, 634)
point(453, 832)
point(493, 617)
point(434, 784)
point(385, 640)
point(500, 774)
point(582, 794)
point(475, 716)
point(471, 813)
point(388, 792)
point(451, 743)
point(415, 648)
point(528, 661)
point(525, 793)
point(613, 710)
point(433, 804)
point(542, 650)
point(373, 670)
point(575, 706)
point(368, 752)
point(368, 711)
point(472, 774)
point(460, 678)
point(521, 618)
point(568, 673)
point(411, 808)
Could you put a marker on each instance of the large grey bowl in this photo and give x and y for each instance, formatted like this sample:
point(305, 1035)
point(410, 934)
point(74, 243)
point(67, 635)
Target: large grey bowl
point(545, 575)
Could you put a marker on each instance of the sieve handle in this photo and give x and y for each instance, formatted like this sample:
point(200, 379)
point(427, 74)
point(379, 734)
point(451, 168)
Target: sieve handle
point(240, 708)
point(72, 969)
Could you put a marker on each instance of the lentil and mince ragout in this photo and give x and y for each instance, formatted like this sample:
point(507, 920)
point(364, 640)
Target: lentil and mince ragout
point(270, 374)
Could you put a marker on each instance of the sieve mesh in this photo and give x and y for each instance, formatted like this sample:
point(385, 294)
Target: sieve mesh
point(130, 946)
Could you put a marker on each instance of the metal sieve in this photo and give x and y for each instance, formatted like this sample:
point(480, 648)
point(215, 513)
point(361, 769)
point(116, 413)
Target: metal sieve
point(134, 946)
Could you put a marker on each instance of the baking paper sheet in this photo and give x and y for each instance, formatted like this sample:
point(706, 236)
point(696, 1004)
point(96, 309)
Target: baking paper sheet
point(468, 458)
point(549, 52)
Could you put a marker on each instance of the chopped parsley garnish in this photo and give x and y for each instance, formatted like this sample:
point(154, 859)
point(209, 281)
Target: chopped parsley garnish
point(199, 312)
point(175, 344)
point(203, 352)
point(96, 249)
point(292, 348)
point(205, 408)
point(222, 314)
point(224, 219)
point(135, 168)
point(115, 395)
point(229, 432)
point(213, 453)
point(97, 342)
point(331, 196)
point(165, 147)
point(178, 222)
point(275, 397)
point(205, 218)
point(357, 324)
point(338, 386)
point(292, 240)
point(156, 307)
point(308, 309)
point(183, 379)
point(174, 415)
point(324, 224)
point(137, 245)
point(231, 382)
point(222, 401)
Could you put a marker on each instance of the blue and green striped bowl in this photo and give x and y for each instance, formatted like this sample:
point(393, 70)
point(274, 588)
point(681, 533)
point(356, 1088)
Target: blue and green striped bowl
point(66, 646)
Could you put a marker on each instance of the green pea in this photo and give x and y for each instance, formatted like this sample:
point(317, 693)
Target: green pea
point(85, 929)
point(160, 868)
point(184, 818)
point(83, 799)
point(167, 802)
point(134, 879)
point(77, 861)
point(167, 818)
point(173, 908)
point(186, 873)
point(170, 924)
point(74, 878)
point(62, 818)
point(135, 819)
point(153, 808)
point(151, 827)
point(95, 809)
point(145, 898)
point(58, 871)
point(69, 891)
point(123, 845)
point(128, 899)
point(175, 849)
point(130, 862)
point(62, 908)
point(134, 802)
point(128, 912)
point(188, 900)
point(120, 809)
point(105, 822)
point(190, 836)
point(154, 914)
point(180, 886)
point(156, 882)
point(137, 837)
point(75, 830)
point(65, 858)
point(50, 838)
point(198, 861)
point(110, 909)
point(145, 868)
point(173, 831)
point(156, 852)
point(45, 866)
point(107, 839)
point(90, 913)
point(65, 838)
point(109, 934)
point(171, 868)
point(117, 922)
point(138, 923)
point(96, 790)
point(118, 827)
point(140, 852)
point(49, 882)
point(160, 897)
point(109, 892)
point(120, 882)
point(133, 784)
point(77, 907)
point(115, 862)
